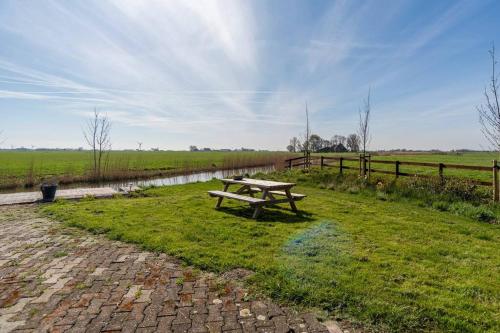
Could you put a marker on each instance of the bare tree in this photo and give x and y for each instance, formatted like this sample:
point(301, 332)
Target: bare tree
point(338, 139)
point(299, 147)
point(353, 142)
point(294, 142)
point(97, 135)
point(489, 112)
point(325, 143)
point(364, 124)
point(139, 144)
point(306, 145)
point(315, 142)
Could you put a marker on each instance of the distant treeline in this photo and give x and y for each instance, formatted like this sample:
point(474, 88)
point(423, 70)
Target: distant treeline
point(317, 144)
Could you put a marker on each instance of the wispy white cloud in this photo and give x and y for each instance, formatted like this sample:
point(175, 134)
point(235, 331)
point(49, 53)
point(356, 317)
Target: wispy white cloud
point(196, 67)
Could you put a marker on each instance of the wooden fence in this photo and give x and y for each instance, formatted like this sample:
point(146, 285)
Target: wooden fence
point(365, 168)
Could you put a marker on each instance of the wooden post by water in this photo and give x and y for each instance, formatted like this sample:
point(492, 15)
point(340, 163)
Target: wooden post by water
point(441, 168)
point(495, 181)
point(322, 162)
point(397, 169)
point(340, 164)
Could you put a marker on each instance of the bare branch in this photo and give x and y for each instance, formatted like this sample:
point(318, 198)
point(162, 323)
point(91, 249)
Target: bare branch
point(364, 123)
point(353, 142)
point(97, 136)
point(307, 150)
point(489, 112)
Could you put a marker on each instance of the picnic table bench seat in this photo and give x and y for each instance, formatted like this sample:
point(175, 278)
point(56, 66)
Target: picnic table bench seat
point(230, 195)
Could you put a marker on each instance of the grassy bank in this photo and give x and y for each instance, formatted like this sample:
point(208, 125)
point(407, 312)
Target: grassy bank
point(394, 266)
point(21, 168)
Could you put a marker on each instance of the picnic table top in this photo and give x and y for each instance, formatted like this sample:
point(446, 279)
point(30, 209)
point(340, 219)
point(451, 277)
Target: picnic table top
point(267, 184)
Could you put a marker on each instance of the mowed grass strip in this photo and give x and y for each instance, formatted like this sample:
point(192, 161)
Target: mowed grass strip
point(391, 265)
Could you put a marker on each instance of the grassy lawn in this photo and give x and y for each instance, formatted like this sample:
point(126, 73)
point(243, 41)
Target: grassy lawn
point(391, 265)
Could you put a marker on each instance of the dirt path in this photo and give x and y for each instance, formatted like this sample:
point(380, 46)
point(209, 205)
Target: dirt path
point(58, 279)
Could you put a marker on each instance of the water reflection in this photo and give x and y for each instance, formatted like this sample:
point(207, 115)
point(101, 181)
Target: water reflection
point(189, 178)
point(163, 181)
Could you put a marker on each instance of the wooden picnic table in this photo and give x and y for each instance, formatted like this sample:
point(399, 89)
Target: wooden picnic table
point(271, 191)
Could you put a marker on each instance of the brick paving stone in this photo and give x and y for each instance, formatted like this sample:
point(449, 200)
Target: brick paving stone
point(57, 279)
point(150, 316)
point(230, 320)
point(165, 323)
point(214, 326)
point(180, 328)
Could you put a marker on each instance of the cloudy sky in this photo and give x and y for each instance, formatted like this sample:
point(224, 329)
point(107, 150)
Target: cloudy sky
point(239, 73)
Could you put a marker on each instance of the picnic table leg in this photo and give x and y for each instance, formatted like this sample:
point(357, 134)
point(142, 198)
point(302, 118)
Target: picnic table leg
point(290, 198)
point(219, 201)
point(258, 209)
point(243, 189)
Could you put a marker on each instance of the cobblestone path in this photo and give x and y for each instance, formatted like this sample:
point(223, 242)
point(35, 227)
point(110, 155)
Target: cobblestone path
point(55, 279)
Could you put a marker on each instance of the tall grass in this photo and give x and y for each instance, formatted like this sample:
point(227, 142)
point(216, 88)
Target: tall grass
point(239, 161)
point(118, 167)
point(30, 175)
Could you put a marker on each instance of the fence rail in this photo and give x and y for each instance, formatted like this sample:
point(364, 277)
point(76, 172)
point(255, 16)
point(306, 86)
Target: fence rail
point(365, 168)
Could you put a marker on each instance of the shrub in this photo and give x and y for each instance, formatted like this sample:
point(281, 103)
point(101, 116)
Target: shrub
point(480, 213)
point(441, 205)
point(460, 188)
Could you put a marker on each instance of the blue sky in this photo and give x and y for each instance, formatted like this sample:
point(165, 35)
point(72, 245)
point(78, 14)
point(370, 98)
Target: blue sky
point(238, 73)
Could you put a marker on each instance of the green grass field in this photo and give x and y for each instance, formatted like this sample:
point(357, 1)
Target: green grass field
point(15, 166)
point(479, 159)
point(474, 158)
point(394, 266)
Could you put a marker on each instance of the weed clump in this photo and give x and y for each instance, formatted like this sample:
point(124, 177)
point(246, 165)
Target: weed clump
point(479, 213)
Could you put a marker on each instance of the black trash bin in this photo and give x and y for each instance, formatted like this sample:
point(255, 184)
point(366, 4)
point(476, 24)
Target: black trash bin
point(48, 192)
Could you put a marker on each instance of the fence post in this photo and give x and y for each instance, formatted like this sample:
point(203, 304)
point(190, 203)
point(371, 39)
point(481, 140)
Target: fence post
point(441, 167)
point(495, 181)
point(369, 165)
point(321, 161)
point(290, 164)
point(363, 165)
point(397, 169)
point(360, 163)
point(340, 164)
